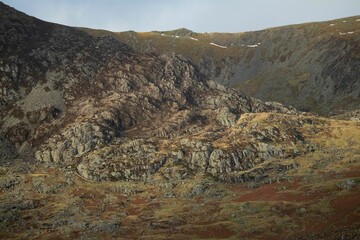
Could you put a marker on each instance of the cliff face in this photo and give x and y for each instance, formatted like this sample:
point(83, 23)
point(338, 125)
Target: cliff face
point(312, 66)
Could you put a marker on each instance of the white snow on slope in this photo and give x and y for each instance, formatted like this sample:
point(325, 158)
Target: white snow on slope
point(217, 45)
point(350, 32)
point(331, 25)
point(253, 46)
point(195, 39)
point(342, 33)
point(357, 20)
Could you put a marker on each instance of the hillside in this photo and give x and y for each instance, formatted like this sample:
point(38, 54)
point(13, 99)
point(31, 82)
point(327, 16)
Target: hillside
point(99, 140)
point(312, 66)
point(71, 98)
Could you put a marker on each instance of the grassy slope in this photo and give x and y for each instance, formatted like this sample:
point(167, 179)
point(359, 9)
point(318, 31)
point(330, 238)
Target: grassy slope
point(306, 202)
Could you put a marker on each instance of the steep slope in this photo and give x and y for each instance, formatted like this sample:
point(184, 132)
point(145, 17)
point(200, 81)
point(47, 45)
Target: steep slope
point(313, 66)
point(115, 114)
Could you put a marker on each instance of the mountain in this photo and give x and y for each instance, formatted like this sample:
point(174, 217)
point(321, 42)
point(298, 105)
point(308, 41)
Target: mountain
point(73, 99)
point(312, 66)
point(101, 140)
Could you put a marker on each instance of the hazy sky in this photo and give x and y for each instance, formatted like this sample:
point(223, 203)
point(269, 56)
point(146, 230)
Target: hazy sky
point(197, 15)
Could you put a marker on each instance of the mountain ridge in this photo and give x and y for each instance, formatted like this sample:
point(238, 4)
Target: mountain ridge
point(295, 60)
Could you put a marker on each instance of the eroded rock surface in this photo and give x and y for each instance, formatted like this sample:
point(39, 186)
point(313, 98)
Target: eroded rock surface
point(114, 114)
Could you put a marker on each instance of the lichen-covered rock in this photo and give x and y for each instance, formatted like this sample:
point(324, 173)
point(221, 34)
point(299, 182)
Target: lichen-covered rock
point(114, 114)
point(74, 142)
point(45, 114)
point(135, 160)
point(226, 117)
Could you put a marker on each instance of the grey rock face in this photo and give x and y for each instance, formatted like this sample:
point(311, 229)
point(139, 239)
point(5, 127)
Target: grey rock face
point(135, 160)
point(114, 114)
point(75, 141)
point(226, 117)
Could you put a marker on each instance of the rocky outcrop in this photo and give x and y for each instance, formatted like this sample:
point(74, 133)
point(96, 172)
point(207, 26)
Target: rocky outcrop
point(45, 114)
point(94, 104)
point(195, 154)
point(134, 160)
point(226, 117)
point(75, 141)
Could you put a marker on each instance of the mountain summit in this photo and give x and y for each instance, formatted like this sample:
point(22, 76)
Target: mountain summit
point(181, 32)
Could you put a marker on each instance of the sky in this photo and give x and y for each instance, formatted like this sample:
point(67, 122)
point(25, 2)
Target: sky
point(197, 15)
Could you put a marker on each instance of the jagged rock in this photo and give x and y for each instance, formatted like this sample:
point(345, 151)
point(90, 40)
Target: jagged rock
point(115, 114)
point(45, 114)
point(226, 117)
point(135, 160)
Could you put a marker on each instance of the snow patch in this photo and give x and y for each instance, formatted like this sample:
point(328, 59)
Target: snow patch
point(253, 46)
point(350, 32)
point(195, 39)
point(177, 36)
point(217, 45)
point(162, 34)
point(357, 20)
point(331, 25)
point(342, 33)
point(344, 21)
